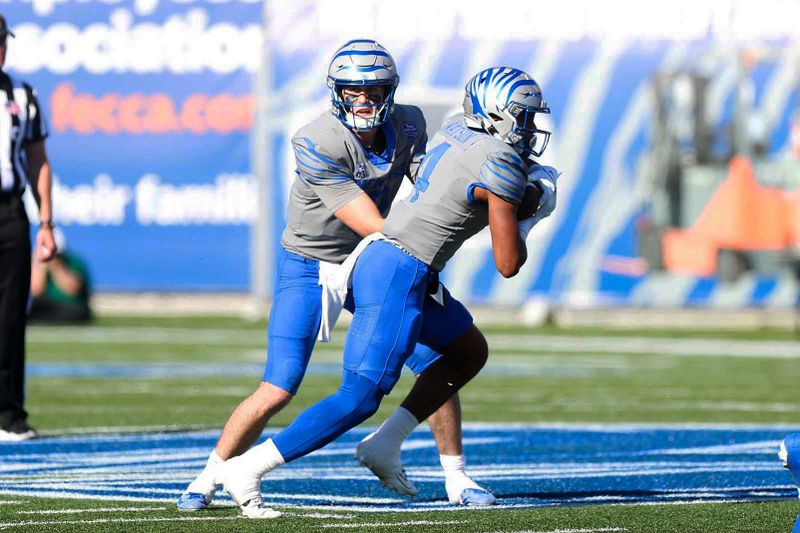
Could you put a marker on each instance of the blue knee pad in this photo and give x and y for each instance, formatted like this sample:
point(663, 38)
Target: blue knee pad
point(356, 400)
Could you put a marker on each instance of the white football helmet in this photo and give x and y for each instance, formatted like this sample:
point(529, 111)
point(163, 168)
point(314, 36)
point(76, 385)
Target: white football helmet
point(362, 62)
point(503, 102)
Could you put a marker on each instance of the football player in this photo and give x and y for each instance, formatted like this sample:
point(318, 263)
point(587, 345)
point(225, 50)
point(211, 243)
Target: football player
point(350, 164)
point(479, 172)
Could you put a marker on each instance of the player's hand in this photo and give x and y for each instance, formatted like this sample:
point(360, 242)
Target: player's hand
point(546, 178)
point(45, 244)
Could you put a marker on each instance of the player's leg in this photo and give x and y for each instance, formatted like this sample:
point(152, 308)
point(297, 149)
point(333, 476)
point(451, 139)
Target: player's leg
point(445, 425)
point(460, 362)
point(464, 355)
point(249, 419)
point(380, 450)
point(292, 331)
point(383, 333)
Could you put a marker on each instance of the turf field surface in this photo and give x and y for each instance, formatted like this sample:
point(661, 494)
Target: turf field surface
point(578, 431)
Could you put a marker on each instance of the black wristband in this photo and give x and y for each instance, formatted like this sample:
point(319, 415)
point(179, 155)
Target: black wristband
point(47, 223)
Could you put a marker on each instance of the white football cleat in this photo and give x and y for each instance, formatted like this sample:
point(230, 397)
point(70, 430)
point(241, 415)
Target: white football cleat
point(255, 509)
point(461, 490)
point(244, 487)
point(384, 461)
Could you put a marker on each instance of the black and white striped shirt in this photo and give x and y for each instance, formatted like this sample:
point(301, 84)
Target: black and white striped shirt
point(21, 122)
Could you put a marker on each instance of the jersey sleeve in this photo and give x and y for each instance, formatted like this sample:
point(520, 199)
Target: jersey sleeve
point(37, 129)
point(503, 175)
point(327, 175)
point(418, 148)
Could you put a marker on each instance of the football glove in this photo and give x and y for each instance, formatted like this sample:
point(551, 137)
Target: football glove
point(545, 178)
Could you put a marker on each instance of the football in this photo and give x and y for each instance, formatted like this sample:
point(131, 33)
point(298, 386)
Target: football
point(530, 201)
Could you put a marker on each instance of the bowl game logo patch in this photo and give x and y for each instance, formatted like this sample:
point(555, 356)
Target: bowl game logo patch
point(361, 171)
point(410, 130)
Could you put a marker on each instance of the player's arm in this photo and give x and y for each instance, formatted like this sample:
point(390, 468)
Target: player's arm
point(361, 215)
point(333, 182)
point(503, 188)
point(508, 249)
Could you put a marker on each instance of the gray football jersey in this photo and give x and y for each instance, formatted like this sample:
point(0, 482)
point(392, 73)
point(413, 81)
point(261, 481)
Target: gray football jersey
point(434, 221)
point(333, 168)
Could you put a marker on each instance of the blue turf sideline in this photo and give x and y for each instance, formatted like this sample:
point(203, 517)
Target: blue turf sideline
point(524, 465)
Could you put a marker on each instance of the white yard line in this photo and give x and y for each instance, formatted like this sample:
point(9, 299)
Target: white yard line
point(592, 530)
point(114, 430)
point(5, 525)
point(322, 515)
point(395, 524)
point(93, 510)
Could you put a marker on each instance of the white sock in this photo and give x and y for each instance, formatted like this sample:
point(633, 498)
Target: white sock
point(452, 464)
point(397, 427)
point(262, 458)
point(204, 482)
point(455, 478)
point(454, 473)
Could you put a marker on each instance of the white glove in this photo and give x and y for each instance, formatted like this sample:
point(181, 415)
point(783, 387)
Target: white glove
point(547, 178)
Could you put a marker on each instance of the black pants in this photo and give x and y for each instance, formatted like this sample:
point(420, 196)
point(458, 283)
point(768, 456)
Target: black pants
point(15, 282)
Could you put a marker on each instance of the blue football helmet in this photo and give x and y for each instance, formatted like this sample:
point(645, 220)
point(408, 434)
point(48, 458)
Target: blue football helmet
point(362, 62)
point(503, 102)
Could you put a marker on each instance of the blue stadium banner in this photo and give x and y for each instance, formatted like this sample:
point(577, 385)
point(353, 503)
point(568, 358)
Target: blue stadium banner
point(150, 105)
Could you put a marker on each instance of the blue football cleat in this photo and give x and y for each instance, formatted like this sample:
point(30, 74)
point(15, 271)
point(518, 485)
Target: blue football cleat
point(193, 501)
point(477, 497)
point(796, 528)
point(789, 453)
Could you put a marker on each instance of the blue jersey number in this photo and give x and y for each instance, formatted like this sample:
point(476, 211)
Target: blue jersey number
point(426, 168)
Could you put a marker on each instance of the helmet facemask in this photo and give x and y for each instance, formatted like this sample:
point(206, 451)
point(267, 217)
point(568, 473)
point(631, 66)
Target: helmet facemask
point(525, 137)
point(347, 108)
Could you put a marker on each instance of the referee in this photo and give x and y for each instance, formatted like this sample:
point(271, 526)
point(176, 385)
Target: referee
point(23, 160)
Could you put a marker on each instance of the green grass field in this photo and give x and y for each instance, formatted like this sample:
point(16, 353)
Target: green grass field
point(534, 376)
